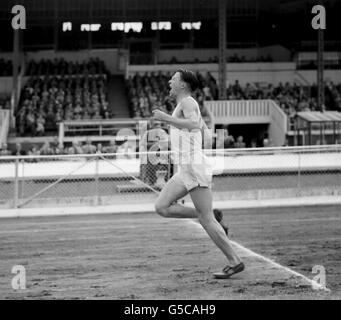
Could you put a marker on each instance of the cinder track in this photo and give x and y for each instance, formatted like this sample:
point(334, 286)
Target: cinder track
point(144, 256)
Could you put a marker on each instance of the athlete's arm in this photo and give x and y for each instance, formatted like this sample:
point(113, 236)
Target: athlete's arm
point(189, 111)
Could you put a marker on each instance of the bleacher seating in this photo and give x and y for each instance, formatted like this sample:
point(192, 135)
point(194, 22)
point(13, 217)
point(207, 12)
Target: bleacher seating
point(59, 90)
point(149, 91)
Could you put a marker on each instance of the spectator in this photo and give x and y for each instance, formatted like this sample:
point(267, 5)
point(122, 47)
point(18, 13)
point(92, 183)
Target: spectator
point(112, 148)
point(88, 148)
point(266, 143)
point(227, 142)
point(253, 143)
point(34, 151)
point(40, 125)
point(59, 149)
point(100, 148)
point(239, 143)
point(153, 140)
point(30, 121)
point(4, 150)
point(125, 150)
point(18, 151)
point(46, 150)
point(75, 148)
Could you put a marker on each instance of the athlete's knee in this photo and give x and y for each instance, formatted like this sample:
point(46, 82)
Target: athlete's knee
point(161, 209)
point(205, 218)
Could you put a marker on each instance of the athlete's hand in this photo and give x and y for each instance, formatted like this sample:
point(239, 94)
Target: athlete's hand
point(159, 115)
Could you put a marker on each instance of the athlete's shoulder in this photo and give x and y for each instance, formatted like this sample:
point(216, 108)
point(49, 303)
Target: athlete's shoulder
point(189, 103)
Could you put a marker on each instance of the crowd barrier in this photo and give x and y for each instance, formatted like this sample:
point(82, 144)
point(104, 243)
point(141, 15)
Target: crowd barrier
point(120, 178)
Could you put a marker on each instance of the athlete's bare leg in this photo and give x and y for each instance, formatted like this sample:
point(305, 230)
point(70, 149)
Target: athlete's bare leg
point(173, 191)
point(165, 206)
point(202, 200)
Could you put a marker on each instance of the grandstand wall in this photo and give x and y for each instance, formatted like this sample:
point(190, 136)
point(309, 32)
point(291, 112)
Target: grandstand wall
point(277, 53)
point(248, 72)
point(115, 59)
point(329, 75)
point(266, 72)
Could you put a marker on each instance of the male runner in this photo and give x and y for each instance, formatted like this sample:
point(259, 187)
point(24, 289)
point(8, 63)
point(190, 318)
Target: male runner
point(193, 177)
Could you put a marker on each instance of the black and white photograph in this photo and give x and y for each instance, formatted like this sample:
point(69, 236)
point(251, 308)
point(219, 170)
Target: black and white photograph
point(183, 151)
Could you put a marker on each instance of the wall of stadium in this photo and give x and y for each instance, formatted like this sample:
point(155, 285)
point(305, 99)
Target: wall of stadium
point(265, 72)
point(278, 53)
point(329, 75)
point(115, 59)
point(262, 72)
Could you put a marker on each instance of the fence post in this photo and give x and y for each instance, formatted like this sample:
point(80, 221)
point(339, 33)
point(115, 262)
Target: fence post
point(21, 194)
point(97, 181)
point(16, 183)
point(299, 175)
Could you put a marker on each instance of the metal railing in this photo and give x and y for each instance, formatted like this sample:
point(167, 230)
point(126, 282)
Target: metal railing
point(102, 179)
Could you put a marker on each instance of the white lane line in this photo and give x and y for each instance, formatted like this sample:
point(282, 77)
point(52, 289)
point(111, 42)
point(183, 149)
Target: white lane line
point(251, 253)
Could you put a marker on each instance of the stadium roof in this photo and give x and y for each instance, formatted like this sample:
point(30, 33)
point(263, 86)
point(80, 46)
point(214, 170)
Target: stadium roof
point(315, 116)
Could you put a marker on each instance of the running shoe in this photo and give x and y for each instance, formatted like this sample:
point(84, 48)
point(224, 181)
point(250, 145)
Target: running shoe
point(229, 271)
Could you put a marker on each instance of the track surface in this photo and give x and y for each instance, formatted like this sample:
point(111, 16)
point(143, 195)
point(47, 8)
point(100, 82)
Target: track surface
point(144, 256)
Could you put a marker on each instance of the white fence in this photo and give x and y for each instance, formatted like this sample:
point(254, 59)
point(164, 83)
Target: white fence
point(108, 179)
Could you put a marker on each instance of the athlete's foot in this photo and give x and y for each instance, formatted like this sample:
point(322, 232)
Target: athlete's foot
point(219, 217)
point(229, 271)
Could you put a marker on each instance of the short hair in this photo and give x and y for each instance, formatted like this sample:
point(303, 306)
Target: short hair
point(190, 78)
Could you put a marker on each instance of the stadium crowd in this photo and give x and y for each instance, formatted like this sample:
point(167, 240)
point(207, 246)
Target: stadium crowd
point(150, 90)
point(235, 58)
point(61, 67)
point(58, 90)
point(55, 148)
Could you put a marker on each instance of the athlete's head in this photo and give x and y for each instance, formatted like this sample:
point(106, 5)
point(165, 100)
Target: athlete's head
point(183, 81)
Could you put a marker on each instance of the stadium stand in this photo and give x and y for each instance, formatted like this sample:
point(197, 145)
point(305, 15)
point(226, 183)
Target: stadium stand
point(59, 90)
point(151, 91)
point(232, 58)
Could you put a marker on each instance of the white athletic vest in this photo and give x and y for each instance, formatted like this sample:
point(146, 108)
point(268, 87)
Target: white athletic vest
point(186, 145)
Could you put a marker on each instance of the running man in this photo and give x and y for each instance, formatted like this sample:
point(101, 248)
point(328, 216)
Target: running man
point(193, 177)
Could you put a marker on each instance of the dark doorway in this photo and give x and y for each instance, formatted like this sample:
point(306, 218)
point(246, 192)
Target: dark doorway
point(249, 132)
